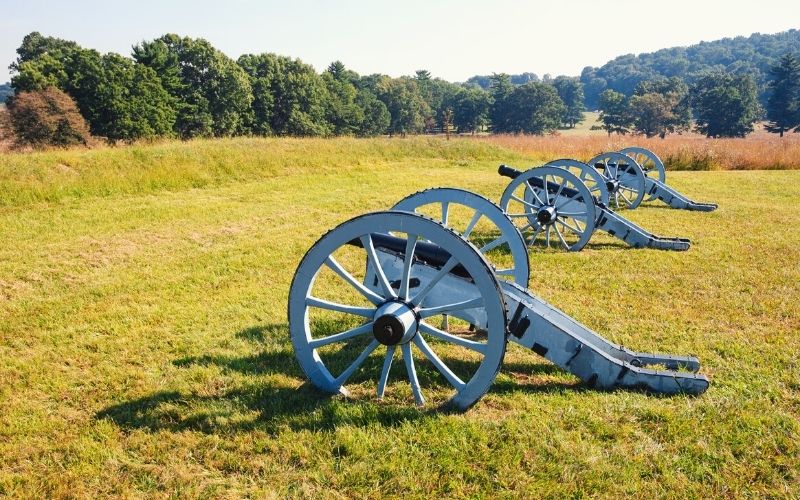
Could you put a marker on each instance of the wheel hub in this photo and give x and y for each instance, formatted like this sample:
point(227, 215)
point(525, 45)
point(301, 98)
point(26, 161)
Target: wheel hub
point(394, 323)
point(612, 185)
point(546, 215)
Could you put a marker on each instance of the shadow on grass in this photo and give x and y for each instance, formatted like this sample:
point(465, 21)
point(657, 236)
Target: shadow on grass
point(273, 403)
point(267, 404)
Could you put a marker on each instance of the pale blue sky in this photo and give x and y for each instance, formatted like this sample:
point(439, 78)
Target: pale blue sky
point(452, 39)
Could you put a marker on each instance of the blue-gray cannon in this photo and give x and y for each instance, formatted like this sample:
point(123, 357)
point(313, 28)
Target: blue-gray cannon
point(557, 205)
point(626, 178)
point(377, 283)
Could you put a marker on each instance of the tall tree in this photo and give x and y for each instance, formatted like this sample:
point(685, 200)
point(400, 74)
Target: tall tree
point(536, 108)
point(405, 104)
point(783, 105)
point(651, 114)
point(471, 109)
point(500, 111)
point(570, 90)
point(289, 96)
point(119, 99)
point(614, 112)
point(660, 106)
point(376, 115)
point(342, 111)
point(215, 92)
point(726, 105)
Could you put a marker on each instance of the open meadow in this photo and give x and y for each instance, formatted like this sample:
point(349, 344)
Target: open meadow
point(144, 348)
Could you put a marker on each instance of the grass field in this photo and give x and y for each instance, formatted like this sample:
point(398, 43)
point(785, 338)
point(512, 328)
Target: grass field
point(144, 347)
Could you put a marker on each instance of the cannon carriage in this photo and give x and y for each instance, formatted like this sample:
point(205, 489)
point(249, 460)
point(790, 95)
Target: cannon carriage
point(400, 271)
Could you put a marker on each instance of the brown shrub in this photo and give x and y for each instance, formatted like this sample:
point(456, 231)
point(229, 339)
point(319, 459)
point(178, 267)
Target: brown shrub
point(45, 118)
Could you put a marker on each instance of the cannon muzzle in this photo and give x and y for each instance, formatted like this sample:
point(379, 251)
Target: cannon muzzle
point(507, 171)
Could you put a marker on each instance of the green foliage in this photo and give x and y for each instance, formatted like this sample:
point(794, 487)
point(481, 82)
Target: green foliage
point(343, 111)
point(119, 99)
point(783, 106)
point(47, 117)
point(535, 108)
point(614, 112)
point(754, 55)
point(660, 106)
point(290, 98)
point(570, 91)
point(532, 108)
point(485, 82)
point(500, 111)
point(471, 109)
point(726, 105)
point(406, 105)
point(376, 115)
point(214, 92)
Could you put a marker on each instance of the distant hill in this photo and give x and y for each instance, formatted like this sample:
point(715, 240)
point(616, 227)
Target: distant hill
point(5, 92)
point(754, 55)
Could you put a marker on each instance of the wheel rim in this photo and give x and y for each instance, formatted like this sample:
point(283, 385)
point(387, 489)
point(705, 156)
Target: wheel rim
point(588, 175)
point(651, 164)
point(329, 272)
point(479, 221)
point(548, 215)
point(625, 185)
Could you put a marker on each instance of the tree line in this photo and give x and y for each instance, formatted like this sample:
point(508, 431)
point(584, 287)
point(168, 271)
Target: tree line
point(184, 87)
point(718, 104)
point(754, 55)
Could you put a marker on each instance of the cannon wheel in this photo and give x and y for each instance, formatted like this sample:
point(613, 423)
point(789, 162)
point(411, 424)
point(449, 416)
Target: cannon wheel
point(651, 164)
point(504, 235)
point(593, 179)
point(316, 341)
point(631, 181)
point(568, 221)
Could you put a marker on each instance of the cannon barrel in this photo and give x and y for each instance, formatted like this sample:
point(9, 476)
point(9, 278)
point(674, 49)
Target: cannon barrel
point(426, 252)
point(507, 171)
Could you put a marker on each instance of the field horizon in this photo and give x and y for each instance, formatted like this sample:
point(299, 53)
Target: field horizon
point(144, 347)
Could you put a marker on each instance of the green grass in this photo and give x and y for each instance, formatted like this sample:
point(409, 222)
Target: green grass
point(144, 346)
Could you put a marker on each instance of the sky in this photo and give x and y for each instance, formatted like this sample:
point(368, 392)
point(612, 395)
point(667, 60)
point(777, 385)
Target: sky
point(452, 39)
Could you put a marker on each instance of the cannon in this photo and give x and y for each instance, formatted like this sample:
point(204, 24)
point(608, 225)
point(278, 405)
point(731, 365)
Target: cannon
point(626, 178)
point(375, 284)
point(553, 203)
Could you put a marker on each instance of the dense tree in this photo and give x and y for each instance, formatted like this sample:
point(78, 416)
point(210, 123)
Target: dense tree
point(783, 106)
point(535, 108)
point(500, 111)
point(289, 96)
point(651, 114)
point(660, 106)
point(570, 91)
point(753, 55)
point(405, 104)
point(614, 112)
point(726, 105)
point(120, 100)
point(485, 82)
point(376, 115)
point(215, 92)
point(47, 117)
point(342, 111)
point(471, 109)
